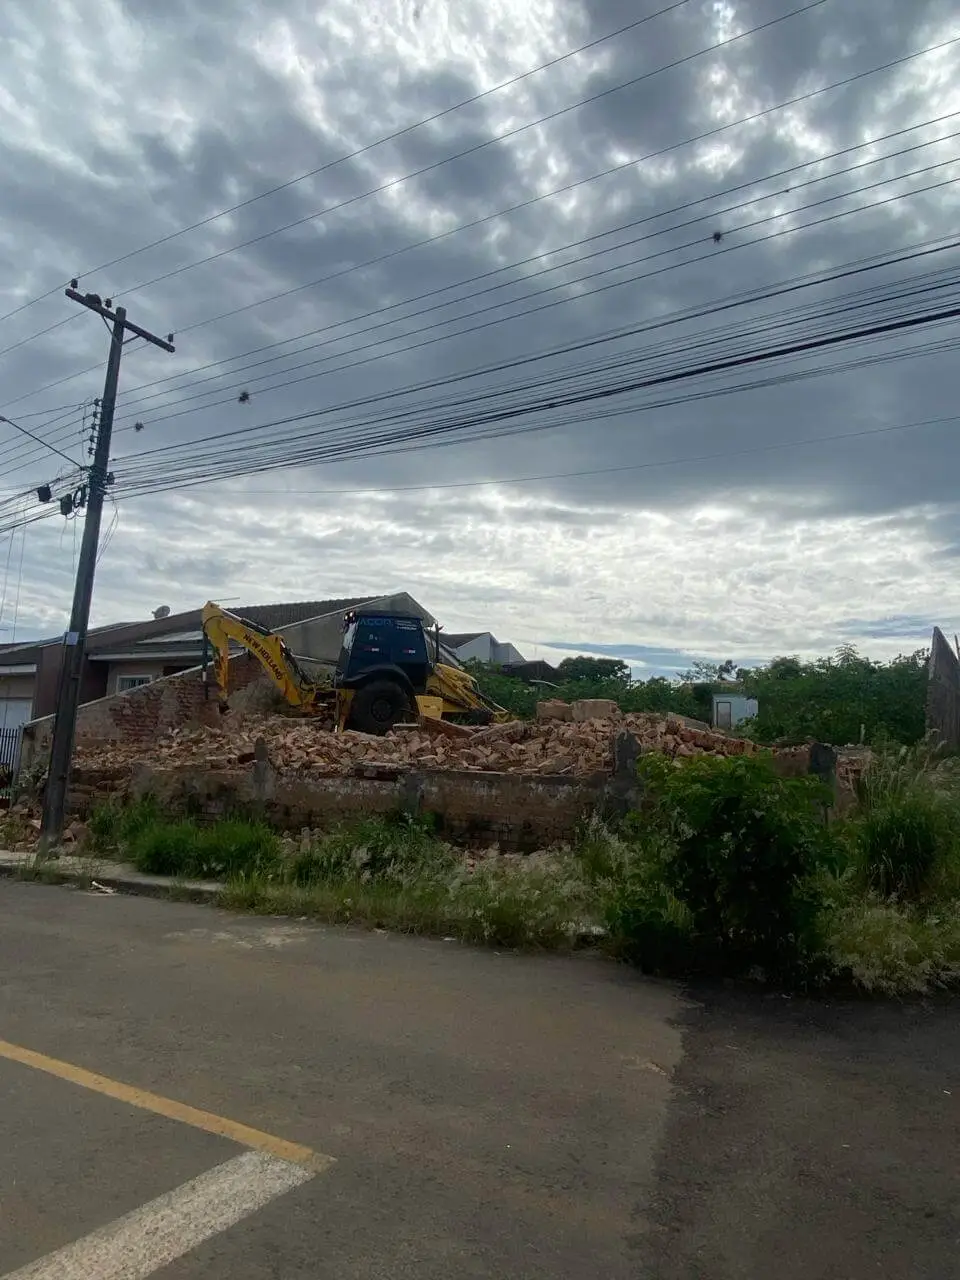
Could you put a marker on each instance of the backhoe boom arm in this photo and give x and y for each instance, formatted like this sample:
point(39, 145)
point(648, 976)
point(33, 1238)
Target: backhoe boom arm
point(270, 650)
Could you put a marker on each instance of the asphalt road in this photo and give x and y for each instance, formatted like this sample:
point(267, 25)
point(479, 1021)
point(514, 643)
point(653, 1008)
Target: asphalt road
point(487, 1114)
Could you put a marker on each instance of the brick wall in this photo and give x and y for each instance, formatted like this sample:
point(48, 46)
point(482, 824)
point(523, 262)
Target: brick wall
point(142, 714)
point(516, 811)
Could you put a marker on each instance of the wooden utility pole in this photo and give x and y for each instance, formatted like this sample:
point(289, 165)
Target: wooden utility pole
point(75, 640)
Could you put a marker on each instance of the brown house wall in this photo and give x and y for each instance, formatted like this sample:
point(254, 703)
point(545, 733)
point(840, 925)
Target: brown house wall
point(93, 681)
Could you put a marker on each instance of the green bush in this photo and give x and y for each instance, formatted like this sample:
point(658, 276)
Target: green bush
point(898, 845)
point(835, 699)
point(114, 824)
point(235, 847)
point(744, 846)
point(165, 849)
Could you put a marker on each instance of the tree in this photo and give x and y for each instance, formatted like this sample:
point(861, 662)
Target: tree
point(703, 672)
point(583, 668)
point(837, 699)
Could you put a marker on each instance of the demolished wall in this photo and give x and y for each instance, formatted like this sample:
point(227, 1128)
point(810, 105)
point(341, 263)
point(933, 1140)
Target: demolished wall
point(514, 811)
point(521, 786)
point(144, 715)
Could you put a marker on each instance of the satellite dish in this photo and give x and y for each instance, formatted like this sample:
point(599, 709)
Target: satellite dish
point(162, 612)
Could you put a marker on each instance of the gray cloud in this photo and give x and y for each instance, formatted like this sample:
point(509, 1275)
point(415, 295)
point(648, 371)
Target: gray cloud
point(224, 102)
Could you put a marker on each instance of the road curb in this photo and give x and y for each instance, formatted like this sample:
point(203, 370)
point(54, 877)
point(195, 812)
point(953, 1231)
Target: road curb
point(116, 877)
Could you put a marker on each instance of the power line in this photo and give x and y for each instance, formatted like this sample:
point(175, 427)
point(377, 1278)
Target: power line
point(449, 333)
point(14, 459)
point(598, 471)
point(40, 334)
point(16, 603)
point(549, 253)
point(172, 487)
point(481, 146)
point(446, 427)
point(353, 155)
point(564, 189)
point(536, 293)
point(38, 439)
point(165, 482)
point(716, 307)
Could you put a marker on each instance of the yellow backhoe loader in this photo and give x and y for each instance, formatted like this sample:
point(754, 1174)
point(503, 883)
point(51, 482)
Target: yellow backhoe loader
point(385, 674)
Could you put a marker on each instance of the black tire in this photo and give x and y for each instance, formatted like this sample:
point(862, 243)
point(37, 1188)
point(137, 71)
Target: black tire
point(378, 706)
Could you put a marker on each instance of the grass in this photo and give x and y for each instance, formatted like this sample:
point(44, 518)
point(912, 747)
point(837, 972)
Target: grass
point(687, 886)
point(184, 848)
point(884, 948)
point(391, 873)
point(513, 903)
point(81, 870)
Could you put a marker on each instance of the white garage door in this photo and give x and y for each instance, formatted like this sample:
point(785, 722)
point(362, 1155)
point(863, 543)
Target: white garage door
point(14, 712)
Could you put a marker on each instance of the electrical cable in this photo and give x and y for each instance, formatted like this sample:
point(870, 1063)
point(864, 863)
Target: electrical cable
point(479, 146)
point(723, 305)
point(741, 360)
point(40, 334)
point(450, 333)
point(596, 471)
point(566, 188)
point(163, 483)
point(353, 155)
point(16, 605)
point(6, 578)
point(633, 332)
point(37, 439)
point(548, 253)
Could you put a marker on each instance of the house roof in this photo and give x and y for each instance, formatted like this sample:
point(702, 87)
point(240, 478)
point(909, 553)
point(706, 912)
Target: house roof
point(455, 639)
point(284, 615)
point(179, 633)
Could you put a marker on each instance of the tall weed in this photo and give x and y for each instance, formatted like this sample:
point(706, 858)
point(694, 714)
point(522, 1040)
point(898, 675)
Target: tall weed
point(646, 924)
point(520, 902)
point(396, 848)
point(905, 835)
point(222, 850)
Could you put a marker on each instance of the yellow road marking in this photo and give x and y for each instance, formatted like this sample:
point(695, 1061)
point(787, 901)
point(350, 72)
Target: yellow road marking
point(146, 1101)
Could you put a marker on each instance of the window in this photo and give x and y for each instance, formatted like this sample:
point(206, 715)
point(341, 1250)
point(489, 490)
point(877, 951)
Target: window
point(724, 715)
point(126, 683)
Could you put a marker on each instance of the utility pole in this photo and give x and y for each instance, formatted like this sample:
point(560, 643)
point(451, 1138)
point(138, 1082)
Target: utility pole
point(74, 642)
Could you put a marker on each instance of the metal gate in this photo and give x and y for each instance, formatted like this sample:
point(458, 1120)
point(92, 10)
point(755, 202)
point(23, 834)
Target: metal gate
point(10, 740)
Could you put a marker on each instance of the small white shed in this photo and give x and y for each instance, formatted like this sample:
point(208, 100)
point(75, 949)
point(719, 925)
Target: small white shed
point(731, 709)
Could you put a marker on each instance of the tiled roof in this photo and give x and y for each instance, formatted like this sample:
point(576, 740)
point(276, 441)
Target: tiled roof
point(159, 633)
point(284, 615)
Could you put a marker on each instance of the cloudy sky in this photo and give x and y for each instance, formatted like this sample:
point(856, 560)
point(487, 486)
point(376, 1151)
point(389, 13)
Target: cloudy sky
point(716, 514)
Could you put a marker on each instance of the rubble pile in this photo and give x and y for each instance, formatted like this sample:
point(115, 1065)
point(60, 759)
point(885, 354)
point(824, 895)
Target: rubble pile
point(298, 748)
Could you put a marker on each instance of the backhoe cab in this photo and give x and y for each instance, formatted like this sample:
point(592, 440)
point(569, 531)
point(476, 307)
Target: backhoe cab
point(386, 673)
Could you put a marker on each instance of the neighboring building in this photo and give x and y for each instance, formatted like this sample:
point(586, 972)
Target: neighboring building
point(731, 709)
point(480, 646)
point(126, 655)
